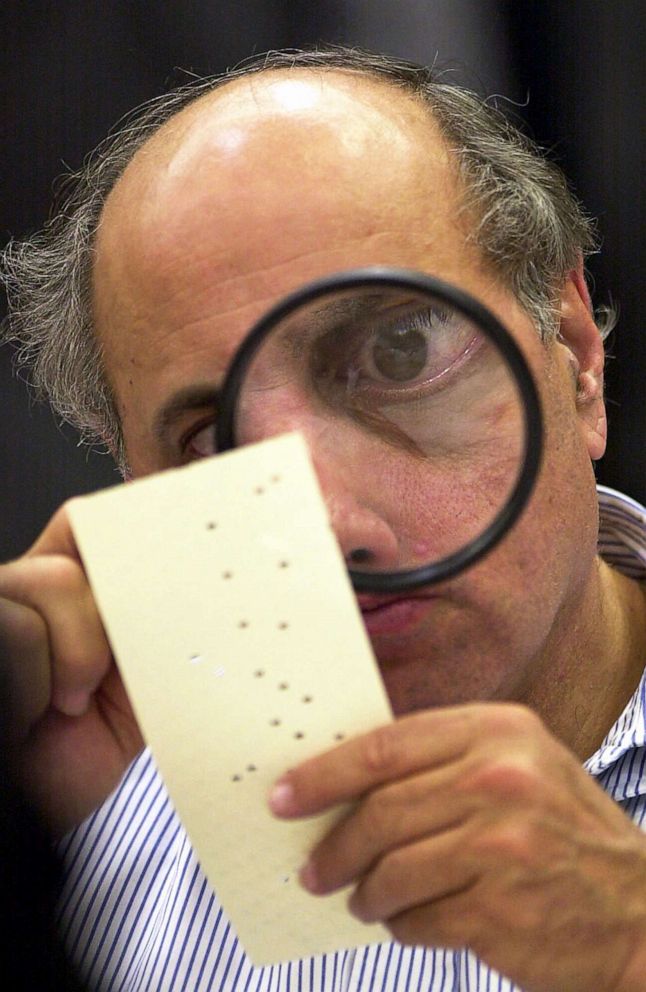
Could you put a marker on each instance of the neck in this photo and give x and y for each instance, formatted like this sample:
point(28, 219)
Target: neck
point(594, 662)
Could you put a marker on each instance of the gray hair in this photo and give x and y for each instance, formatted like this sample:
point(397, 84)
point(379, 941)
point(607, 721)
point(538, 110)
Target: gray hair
point(528, 226)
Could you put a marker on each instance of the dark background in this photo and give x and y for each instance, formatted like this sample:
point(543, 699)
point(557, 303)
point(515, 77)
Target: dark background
point(573, 72)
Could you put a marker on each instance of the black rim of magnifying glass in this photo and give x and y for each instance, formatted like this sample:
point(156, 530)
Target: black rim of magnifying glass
point(387, 277)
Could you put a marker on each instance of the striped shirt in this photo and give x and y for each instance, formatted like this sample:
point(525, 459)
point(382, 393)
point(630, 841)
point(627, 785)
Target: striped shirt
point(137, 913)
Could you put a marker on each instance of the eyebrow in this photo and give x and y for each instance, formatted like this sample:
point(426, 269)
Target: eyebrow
point(185, 400)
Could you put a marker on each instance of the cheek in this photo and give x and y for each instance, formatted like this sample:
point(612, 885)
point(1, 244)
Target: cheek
point(436, 506)
point(485, 637)
point(470, 452)
point(551, 549)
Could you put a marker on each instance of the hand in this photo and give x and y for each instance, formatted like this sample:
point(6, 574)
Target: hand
point(72, 724)
point(473, 826)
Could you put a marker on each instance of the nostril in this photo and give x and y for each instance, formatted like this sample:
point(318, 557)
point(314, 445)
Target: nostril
point(360, 556)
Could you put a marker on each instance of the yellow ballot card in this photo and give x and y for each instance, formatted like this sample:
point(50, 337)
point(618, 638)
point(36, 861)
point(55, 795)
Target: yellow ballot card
point(233, 622)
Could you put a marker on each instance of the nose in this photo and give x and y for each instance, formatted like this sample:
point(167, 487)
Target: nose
point(352, 490)
point(366, 539)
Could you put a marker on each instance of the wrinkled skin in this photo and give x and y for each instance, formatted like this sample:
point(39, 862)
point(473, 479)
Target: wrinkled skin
point(474, 823)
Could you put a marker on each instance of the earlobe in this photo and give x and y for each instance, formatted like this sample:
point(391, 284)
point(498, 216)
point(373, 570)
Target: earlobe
point(580, 337)
point(592, 414)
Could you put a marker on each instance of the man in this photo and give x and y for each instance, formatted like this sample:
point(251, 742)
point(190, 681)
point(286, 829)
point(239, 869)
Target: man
point(475, 824)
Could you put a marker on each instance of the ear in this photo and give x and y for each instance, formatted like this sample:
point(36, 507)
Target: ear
point(579, 335)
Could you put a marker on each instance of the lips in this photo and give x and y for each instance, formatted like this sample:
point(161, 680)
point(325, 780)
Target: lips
point(393, 614)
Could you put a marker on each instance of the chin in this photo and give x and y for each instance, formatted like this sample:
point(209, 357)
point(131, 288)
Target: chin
point(443, 671)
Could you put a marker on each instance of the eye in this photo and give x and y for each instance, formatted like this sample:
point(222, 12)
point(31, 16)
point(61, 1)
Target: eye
point(412, 349)
point(393, 354)
point(199, 442)
point(397, 354)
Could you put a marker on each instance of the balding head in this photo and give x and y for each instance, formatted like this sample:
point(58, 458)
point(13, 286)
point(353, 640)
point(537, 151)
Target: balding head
point(521, 215)
point(272, 156)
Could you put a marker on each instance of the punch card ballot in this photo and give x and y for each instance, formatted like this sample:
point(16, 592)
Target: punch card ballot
point(236, 631)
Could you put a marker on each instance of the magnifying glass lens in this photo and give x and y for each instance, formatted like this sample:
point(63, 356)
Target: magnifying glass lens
point(415, 419)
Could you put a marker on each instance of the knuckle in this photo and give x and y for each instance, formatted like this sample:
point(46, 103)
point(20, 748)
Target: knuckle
point(63, 576)
point(512, 842)
point(380, 751)
point(505, 778)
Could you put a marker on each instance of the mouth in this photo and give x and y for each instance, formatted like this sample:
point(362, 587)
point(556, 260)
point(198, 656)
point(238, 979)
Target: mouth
point(394, 614)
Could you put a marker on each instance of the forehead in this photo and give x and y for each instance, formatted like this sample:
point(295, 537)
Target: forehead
point(302, 146)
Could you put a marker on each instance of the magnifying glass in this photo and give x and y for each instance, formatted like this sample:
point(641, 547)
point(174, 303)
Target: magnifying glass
point(415, 399)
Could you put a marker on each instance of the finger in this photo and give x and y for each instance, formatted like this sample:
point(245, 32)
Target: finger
point(450, 921)
point(389, 818)
point(408, 745)
point(57, 537)
point(56, 588)
point(413, 876)
point(24, 656)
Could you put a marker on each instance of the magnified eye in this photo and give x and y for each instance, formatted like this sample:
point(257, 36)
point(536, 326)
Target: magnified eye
point(399, 352)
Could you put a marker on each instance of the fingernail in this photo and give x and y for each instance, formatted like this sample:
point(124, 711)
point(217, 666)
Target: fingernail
point(308, 877)
point(281, 798)
point(71, 702)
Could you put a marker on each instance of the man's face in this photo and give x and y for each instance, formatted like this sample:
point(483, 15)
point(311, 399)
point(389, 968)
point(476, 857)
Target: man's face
point(273, 181)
